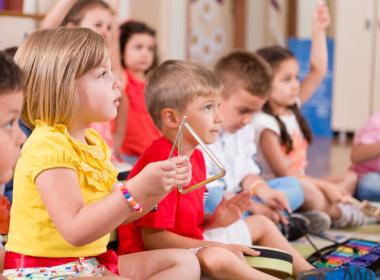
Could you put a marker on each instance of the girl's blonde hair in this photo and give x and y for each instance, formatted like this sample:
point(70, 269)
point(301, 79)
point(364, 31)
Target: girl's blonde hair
point(52, 61)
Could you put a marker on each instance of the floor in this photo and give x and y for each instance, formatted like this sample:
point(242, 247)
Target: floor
point(331, 157)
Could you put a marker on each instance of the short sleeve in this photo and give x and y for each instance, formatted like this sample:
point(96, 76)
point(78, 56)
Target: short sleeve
point(262, 121)
point(47, 150)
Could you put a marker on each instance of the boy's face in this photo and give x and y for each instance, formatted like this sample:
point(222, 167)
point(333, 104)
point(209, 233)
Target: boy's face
point(238, 108)
point(204, 117)
point(11, 136)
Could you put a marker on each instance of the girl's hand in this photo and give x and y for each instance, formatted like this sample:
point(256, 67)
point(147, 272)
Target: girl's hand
point(156, 179)
point(240, 250)
point(321, 18)
point(183, 170)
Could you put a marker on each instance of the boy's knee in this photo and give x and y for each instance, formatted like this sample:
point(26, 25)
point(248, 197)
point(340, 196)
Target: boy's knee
point(183, 257)
point(213, 259)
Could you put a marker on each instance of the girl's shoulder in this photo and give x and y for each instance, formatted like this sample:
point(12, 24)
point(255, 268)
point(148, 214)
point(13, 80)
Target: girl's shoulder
point(263, 121)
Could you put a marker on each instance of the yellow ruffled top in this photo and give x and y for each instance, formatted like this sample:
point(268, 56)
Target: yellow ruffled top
point(31, 230)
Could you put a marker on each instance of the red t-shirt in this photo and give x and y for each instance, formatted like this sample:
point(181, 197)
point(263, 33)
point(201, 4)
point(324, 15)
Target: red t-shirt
point(140, 129)
point(181, 214)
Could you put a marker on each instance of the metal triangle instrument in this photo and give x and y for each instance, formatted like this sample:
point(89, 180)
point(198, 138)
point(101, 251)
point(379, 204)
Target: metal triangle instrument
point(178, 142)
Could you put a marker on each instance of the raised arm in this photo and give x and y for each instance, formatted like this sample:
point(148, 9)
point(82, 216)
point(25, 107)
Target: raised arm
point(56, 15)
point(318, 56)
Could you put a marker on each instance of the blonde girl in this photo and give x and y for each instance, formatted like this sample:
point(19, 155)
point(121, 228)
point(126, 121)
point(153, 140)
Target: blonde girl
point(66, 198)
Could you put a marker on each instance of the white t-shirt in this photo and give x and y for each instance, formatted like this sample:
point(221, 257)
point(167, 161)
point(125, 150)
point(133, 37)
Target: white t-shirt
point(236, 152)
point(297, 158)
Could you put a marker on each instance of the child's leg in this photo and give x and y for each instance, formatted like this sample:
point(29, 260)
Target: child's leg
point(346, 181)
point(315, 199)
point(220, 263)
point(160, 264)
point(369, 187)
point(265, 233)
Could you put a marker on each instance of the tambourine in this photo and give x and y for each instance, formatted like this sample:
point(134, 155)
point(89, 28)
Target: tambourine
point(178, 142)
point(272, 261)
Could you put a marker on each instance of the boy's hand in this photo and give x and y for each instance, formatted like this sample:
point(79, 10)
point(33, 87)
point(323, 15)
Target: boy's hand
point(274, 214)
point(240, 250)
point(230, 210)
point(321, 18)
point(273, 198)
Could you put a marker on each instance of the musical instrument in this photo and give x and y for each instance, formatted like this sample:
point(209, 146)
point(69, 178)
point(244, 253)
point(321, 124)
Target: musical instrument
point(353, 252)
point(178, 142)
point(272, 261)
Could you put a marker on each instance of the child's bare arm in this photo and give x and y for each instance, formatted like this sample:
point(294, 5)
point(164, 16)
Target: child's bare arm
point(161, 239)
point(364, 152)
point(271, 148)
point(81, 223)
point(318, 56)
point(56, 15)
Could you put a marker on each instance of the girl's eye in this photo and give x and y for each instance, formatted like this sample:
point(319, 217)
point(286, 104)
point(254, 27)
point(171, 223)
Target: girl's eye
point(104, 73)
point(208, 107)
point(11, 123)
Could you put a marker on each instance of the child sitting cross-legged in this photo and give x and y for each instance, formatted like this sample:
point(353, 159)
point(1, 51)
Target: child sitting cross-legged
point(176, 89)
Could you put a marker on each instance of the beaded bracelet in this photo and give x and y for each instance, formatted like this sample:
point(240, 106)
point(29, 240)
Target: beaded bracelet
point(253, 188)
point(127, 195)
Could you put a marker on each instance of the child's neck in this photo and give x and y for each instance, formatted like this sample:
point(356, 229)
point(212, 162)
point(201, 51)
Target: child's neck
point(279, 110)
point(78, 132)
point(187, 148)
point(139, 75)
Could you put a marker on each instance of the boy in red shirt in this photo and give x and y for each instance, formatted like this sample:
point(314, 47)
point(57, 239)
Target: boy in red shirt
point(176, 89)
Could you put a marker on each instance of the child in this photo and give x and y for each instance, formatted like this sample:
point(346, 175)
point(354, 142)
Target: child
point(365, 156)
point(11, 137)
point(99, 17)
point(139, 55)
point(175, 89)
point(283, 134)
point(64, 204)
point(246, 79)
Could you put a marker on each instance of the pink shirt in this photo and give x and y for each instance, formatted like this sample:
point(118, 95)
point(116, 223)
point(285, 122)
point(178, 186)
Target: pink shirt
point(368, 134)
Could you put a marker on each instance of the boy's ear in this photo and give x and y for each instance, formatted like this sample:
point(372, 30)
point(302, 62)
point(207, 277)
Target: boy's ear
point(170, 118)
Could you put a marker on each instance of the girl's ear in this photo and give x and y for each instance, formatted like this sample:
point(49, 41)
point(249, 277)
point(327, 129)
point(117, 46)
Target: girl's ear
point(170, 118)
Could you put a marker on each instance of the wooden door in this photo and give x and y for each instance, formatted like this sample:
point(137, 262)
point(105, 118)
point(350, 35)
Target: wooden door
point(353, 60)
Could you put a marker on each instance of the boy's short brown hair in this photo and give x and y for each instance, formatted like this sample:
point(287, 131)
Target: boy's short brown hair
point(175, 84)
point(11, 76)
point(242, 69)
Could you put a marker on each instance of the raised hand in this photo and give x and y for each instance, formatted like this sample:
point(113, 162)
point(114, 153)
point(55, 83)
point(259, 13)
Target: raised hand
point(321, 19)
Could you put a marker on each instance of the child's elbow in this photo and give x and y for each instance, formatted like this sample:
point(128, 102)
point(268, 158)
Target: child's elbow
point(75, 238)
